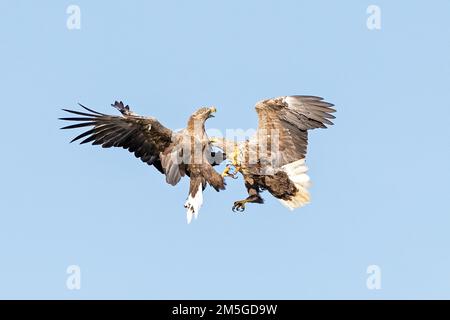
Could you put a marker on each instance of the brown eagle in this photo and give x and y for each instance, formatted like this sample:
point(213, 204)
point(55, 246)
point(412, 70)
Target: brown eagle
point(274, 158)
point(175, 154)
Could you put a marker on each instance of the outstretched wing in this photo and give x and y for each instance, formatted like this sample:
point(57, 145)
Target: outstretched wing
point(143, 136)
point(283, 125)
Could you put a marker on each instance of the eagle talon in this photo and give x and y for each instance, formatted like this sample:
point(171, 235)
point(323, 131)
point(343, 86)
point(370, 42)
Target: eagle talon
point(233, 176)
point(231, 171)
point(239, 206)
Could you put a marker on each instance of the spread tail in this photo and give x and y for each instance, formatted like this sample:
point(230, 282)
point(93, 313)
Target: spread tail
point(194, 201)
point(297, 174)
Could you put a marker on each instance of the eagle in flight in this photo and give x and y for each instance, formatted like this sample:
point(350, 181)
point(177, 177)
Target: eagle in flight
point(175, 154)
point(273, 159)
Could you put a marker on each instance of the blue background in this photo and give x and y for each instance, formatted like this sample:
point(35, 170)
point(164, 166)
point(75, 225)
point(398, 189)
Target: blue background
point(380, 193)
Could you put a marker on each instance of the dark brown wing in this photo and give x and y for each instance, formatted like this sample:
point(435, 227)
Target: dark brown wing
point(143, 136)
point(287, 121)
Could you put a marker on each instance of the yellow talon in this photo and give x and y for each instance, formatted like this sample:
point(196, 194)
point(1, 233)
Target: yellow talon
point(234, 166)
point(225, 172)
point(239, 206)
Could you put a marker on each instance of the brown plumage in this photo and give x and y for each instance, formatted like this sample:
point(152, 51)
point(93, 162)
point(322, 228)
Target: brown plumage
point(175, 154)
point(274, 158)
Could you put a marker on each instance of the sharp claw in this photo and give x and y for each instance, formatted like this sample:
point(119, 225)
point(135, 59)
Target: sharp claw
point(231, 167)
point(239, 206)
point(230, 176)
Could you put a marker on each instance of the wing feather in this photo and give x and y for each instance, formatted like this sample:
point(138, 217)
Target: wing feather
point(290, 118)
point(146, 137)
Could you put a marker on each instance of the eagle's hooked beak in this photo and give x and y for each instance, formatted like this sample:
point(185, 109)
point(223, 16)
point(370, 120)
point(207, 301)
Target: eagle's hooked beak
point(211, 111)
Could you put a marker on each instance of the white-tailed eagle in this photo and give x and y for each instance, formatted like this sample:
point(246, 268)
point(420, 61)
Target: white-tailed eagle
point(274, 158)
point(175, 154)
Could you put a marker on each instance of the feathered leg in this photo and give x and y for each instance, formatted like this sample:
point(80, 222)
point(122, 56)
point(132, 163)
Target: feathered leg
point(253, 196)
point(239, 206)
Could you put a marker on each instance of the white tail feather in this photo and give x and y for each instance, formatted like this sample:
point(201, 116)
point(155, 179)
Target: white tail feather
point(193, 204)
point(296, 172)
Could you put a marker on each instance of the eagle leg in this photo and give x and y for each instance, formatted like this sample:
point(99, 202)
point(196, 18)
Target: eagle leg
point(239, 206)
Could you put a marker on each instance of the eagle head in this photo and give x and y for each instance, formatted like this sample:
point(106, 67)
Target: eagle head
point(204, 113)
point(196, 123)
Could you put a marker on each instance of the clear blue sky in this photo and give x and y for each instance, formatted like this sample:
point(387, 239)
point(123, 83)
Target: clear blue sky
point(381, 174)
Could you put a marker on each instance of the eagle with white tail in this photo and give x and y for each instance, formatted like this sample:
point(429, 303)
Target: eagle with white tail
point(274, 158)
point(175, 154)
